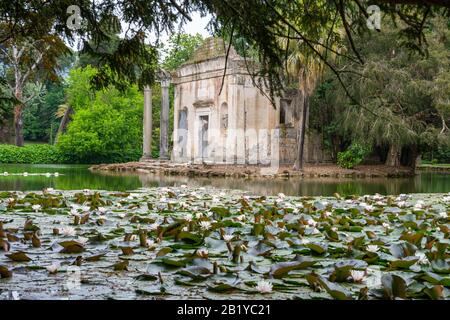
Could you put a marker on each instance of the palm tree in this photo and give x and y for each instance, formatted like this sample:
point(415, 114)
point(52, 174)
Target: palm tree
point(305, 66)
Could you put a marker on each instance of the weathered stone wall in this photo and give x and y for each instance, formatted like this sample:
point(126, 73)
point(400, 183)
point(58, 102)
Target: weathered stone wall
point(288, 144)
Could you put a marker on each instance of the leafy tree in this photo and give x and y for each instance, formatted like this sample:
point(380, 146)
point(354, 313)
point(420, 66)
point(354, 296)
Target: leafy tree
point(260, 23)
point(106, 125)
point(400, 110)
point(28, 61)
point(40, 122)
point(179, 49)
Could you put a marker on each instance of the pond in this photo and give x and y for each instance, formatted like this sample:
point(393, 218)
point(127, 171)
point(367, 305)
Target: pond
point(78, 177)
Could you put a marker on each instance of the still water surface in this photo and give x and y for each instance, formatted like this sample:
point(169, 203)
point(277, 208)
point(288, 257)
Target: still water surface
point(78, 177)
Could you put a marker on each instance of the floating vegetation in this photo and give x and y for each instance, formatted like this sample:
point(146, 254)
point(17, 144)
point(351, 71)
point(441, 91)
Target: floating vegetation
point(182, 243)
point(26, 174)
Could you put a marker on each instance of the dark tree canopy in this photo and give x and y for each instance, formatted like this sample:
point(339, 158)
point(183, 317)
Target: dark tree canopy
point(262, 23)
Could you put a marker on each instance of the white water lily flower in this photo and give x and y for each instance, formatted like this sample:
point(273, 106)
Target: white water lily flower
point(183, 186)
point(52, 269)
point(36, 207)
point(312, 222)
point(324, 203)
point(205, 225)
point(357, 275)
point(48, 174)
point(401, 204)
point(48, 190)
point(281, 195)
point(74, 211)
point(299, 205)
point(121, 215)
point(304, 241)
point(369, 207)
point(334, 229)
point(163, 199)
point(151, 243)
point(222, 194)
point(264, 286)
point(56, 174)
point(102, 210)
point(422, 258)
point(208, 213)
point(446, 199)
point(240, 217)
point(377, 196)
point(25, 174)
point(443, 215)
point(153, 226)
point(228, 237)
point(185, 229)
point(386, 225)
point(372, 248)
point(188, 217)
point(5, 173)
point(379, 203)
point(68, 231)
point(215, 199)
point(327, 214)
point(198, 215)
point(202, 253)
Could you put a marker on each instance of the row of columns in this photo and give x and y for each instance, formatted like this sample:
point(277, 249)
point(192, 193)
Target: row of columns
point(164, 122)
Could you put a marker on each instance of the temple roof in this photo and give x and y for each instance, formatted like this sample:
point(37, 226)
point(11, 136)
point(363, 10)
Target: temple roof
point(211, 48)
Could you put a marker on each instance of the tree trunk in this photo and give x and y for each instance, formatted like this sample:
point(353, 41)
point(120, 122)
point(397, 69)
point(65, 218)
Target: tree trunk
point(414, 158)
point(18, 118)
point(64, 122)
point(302, 133)
point(393, 156)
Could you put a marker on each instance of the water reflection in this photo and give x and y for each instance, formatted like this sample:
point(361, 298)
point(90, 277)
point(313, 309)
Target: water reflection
point(76, 177)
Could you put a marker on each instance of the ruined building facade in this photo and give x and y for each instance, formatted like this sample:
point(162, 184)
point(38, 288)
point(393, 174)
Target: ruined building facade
point(225, 119)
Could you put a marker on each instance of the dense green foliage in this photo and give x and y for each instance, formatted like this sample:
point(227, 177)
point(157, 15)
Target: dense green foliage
point(34, 153)
point(393, 100)
point(353, 156)
point(106, 126)
point(40, 123)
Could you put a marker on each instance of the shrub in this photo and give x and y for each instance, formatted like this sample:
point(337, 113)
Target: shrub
point(105, 128)
point(353, 156)
point(35, 153)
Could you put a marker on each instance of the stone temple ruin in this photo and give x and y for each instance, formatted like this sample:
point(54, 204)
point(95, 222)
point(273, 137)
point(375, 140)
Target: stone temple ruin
point(233, 122)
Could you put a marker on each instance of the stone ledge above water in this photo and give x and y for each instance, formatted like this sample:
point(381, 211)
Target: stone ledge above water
point(248, 171)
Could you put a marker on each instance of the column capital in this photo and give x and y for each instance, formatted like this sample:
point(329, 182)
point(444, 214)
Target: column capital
point(165, 83)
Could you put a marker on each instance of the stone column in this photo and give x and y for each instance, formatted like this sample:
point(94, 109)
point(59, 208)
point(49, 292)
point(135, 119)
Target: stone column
point(164, 121)
point(147, 136)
